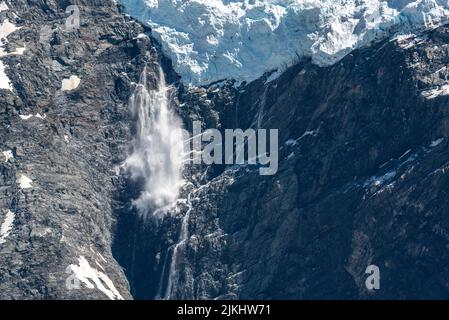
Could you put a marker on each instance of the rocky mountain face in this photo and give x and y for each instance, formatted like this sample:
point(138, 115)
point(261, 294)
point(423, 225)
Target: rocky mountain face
point(66, 139)
point(362, 173)
point(361, 181)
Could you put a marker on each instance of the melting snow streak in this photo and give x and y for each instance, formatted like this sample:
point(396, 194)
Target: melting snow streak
point(93, 278)
point(6, 226)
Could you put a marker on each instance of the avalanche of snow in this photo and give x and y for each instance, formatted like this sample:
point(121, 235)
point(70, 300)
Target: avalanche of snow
point(24, 182)
point(70, 83)
point(6, 226)
point(210, 40)
point(93, 278)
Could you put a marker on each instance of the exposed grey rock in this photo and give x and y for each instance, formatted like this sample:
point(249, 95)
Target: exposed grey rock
point(362, 180)
point(362, 177)
point(69, 153)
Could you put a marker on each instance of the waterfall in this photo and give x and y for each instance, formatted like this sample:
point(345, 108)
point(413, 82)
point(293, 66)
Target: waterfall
point(261, 112)
point(178, 251)
point(158, 148)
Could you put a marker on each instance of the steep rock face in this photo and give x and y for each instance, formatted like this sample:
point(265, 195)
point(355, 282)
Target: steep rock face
point(65, 128)
point(362, 177)
point(362, 180)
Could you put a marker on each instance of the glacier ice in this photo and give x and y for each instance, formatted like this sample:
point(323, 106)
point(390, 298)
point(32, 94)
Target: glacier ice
point(212, 40)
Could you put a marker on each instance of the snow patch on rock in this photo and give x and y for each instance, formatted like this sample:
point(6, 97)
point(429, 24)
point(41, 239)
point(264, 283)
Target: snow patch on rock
point(3, 6)
point(24, 182)
point(6, 226)
point(141, 36)
point(378, 181)
point(5, 83)
point(6, 28)
point(18, 51)
point(436, 142)
point(212, 40)
point(70, 83)
point(29, 116)
point(436, 92)
point(99, 265)
point(101, 257)
point(8, 155)
point(93, 278)
point(25, 117)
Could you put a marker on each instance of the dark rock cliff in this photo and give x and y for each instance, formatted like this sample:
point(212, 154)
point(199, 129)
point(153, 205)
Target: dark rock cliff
point(361, 181)
point(362, 176)
point(70, 152)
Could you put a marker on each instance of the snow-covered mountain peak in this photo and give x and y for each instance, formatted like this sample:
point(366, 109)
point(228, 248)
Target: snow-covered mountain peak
point(211, 40)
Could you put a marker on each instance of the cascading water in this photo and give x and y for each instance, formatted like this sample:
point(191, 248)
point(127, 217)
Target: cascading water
point(178, 250)
point(158, 147)
point(261, 113)
point(157, 161)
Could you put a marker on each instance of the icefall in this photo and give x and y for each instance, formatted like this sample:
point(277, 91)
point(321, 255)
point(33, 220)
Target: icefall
point(212, 40)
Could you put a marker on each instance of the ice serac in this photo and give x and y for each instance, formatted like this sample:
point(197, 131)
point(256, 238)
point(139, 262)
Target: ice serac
point(224, 39)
